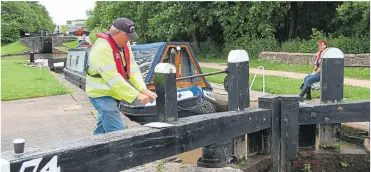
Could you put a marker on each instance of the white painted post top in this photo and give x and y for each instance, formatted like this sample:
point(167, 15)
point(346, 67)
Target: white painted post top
point(332, 52)
point(18, 140)
point(236, 56)
point(165, 68)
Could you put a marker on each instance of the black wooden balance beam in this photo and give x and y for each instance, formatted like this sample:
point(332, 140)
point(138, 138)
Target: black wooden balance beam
point(333, 113)
point(129, 148)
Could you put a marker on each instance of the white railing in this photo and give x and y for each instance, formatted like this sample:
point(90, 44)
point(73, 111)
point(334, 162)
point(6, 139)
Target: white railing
point(256, 72)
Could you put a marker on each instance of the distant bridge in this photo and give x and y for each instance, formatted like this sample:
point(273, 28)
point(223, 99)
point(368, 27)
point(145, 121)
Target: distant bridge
point(45, 44)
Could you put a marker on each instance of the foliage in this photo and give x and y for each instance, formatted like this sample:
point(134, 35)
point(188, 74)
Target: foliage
point(307, 168)
point(344, 164)
point(349, 45)
point(93, 34)
point(253, 19)
point(354, 19)
point(209, 49)
point(64, 29)
point(215, 28)
point(27, 82)
point(337, 147)
point(252, 46)
point(21, 17)
point(13, 48)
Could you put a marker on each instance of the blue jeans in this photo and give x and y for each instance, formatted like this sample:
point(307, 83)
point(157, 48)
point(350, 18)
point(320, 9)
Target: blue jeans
point(109, 118)
point(310, 79)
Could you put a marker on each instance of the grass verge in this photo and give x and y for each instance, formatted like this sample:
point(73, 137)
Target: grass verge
point(66, 46)
point(356, 73)
point(281, 85)
point(19, 81)
point(72, 44)
point(12, 48)
point(62, 48)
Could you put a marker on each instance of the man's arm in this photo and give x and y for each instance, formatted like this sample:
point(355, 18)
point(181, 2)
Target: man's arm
point(136, 77)
point(106, 66)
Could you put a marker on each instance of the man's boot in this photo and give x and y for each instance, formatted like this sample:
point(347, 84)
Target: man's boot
point(303, 92)
point(309, 95)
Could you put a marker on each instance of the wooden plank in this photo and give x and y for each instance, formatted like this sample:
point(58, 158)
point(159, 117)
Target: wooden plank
point(330, 113)
point(273, 147)
point(129, 148)
point(289, 130)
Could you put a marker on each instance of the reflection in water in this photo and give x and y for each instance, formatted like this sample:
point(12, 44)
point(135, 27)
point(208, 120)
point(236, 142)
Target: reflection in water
point(37, 56)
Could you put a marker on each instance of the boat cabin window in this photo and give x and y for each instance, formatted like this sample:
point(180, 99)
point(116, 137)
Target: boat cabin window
point(182, 62)
point(170, 56)
point(188, 68)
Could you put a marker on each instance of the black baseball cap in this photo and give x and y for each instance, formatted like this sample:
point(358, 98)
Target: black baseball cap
point(127, 26)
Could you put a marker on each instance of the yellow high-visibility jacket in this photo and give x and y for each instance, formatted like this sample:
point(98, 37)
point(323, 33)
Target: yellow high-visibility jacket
point(111, 83)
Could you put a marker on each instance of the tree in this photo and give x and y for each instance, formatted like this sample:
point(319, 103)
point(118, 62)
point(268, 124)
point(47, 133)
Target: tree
point(64, 29)
point(353, 19)
point(20, 17)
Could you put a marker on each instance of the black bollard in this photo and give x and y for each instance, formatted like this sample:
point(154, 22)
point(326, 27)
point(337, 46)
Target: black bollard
point(332, 83)
point(238, 75)
point(239, 97)
point(165, 83)
point(32, 57)
point(216, 155)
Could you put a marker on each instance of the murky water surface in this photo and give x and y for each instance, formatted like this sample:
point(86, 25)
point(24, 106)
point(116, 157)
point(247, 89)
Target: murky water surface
point(37, 56)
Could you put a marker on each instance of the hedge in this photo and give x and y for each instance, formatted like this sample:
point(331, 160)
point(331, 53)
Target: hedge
point(348, 45)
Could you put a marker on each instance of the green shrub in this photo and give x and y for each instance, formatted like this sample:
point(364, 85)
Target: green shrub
point(208, 49)
point(253, 46)
point(299, 46)
point(345, 44)
point(93, 33)
point(9, 32)
point(351, 45)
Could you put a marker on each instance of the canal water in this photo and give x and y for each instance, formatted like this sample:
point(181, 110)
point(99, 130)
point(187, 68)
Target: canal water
point(37, 56)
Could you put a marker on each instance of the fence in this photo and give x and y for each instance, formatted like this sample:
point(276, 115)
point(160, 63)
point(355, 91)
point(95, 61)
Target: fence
point(276, 120)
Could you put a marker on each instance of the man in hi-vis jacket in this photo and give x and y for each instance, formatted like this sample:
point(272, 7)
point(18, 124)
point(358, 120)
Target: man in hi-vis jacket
point(113, 75)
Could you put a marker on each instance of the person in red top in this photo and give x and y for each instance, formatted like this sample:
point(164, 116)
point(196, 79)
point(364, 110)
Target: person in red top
point(316, 74)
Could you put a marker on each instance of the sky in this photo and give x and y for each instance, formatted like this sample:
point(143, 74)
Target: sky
point(62, 10)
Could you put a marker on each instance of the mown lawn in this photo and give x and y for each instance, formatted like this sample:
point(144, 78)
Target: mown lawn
point(72, 44)
point(19, 81)
point(281, 85)
point(66, 46)
point(12, 48)
point(62, 48)
point(356, 73)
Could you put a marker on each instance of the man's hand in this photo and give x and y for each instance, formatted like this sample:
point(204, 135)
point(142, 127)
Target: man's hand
point(143, 98)
point(150, 94)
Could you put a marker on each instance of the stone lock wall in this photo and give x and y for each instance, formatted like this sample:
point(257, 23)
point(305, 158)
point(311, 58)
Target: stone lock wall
point(38, 46)
point(354, 60)
point(33, 42)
